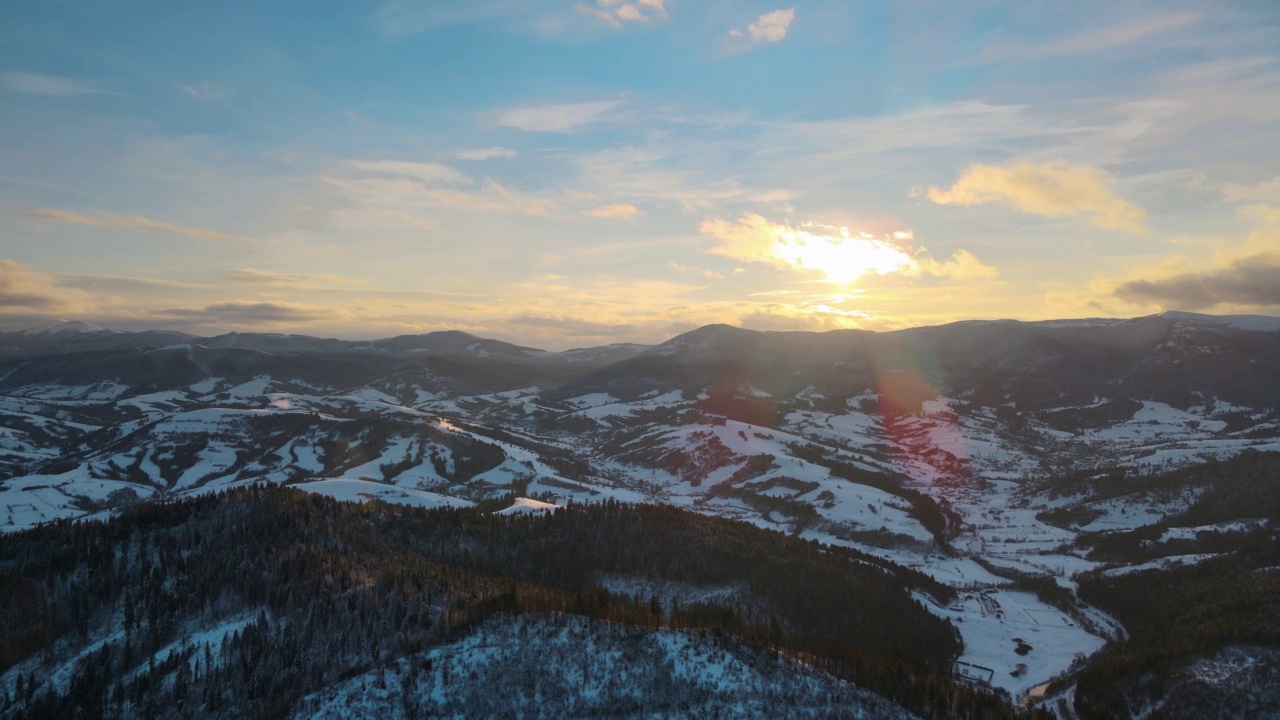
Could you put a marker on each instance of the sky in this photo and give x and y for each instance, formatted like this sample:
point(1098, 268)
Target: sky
point(565, 173)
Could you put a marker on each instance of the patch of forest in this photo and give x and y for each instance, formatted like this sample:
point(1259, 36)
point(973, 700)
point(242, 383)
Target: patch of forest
point(1175, 616)
point(1245, 487)
point(96, 617)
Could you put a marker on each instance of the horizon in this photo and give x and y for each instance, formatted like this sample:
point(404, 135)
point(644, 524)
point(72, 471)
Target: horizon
point(51, 326)
point(570, 174)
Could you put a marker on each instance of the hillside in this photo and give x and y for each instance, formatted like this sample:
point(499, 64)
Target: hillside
point(994, 466)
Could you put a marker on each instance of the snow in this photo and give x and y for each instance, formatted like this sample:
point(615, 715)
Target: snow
point(1257, 323)
point(1164, 563)
point(1133, 511)
point(527, 506)
point(349, 490)
point(57, 327)
point(372, 395)
point(592, 400)
point(951, 451)
point(991, 621)
point(553, 666)
point(35, 499)
point(1190, 533)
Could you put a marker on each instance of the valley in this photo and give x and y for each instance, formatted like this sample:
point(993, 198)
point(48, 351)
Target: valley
point(993, 458)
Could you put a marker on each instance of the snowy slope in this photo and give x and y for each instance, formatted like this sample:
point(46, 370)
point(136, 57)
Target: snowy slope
point(570, 667)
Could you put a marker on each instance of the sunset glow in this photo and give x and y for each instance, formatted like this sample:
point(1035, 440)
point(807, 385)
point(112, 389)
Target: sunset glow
point(564, 174)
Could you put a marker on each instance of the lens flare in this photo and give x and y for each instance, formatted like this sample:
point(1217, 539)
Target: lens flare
point(922, 429)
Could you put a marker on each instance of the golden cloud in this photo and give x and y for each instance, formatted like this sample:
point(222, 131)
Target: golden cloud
point(840, 255)
point(1051, 190)
point(619, 211)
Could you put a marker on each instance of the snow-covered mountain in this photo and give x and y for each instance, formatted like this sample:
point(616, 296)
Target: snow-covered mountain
point(942, 449)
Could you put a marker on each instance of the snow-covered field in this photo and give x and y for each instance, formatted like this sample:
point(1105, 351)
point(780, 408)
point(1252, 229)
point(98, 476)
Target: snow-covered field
point(655, 448)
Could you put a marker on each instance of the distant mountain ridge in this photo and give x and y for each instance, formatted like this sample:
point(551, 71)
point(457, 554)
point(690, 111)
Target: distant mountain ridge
point(63, 333)
point(1175, 358)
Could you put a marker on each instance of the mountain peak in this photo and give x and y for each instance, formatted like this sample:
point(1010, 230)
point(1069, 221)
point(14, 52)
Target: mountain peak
point(59, 327)
point(1260, 323)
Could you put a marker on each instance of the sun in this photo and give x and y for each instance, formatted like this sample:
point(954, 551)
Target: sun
point(842, 258)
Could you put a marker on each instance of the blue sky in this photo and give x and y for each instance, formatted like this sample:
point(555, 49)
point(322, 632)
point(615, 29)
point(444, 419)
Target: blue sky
point(572, 173)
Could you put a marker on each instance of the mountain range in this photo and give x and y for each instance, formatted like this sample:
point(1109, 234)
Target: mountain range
point(994, 457)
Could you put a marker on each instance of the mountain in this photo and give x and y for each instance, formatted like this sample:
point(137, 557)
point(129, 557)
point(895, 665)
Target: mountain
point(1019, 465)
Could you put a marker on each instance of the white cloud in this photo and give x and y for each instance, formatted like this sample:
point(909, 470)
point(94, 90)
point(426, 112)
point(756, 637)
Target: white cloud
point(206, 91)
point(50, 85)
point(617, 12)
point(771, 27)
point(555, 118)
point(405, 18)
point(249, 276)
point(481, 154)
point(129, 222)
point(428, 172)
point(1261, 193)
point(402, 199)
point(1119, 35)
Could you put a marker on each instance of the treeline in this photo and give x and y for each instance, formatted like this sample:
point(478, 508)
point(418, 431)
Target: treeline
point(316, 591)
point(1175, 616)
point(1245, 487)
point(1241, 486)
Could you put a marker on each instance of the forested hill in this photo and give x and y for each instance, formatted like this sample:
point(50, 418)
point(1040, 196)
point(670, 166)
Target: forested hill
point(247, 603)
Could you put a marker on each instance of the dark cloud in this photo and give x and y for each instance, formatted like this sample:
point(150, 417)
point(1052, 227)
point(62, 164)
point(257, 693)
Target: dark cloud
point(1249, 281)
point(22, 288)
point(246, 313)
point(27, 301)
point(118, 283)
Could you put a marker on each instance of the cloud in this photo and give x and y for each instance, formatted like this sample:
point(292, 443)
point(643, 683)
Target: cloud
point(480, 154)
point(770, 27)
point(206, 91)
point(124, 283)
point(249, 276)
point(1250, 281)
point(840, 255)
point(1265, 214)
point(1051, 190)
point(246, 313)
point(620, 211)
point(545, 19)
point(961, 266)
point(48, 85)
point(575, 327)
point(685, 269)
point(616, 12)
point(1120, 35)
point(25, 290)
point(1264, 192)
point(554, 118)
point(404, 18)
point(402, 198)
point(427, 172)
point(129, 222)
